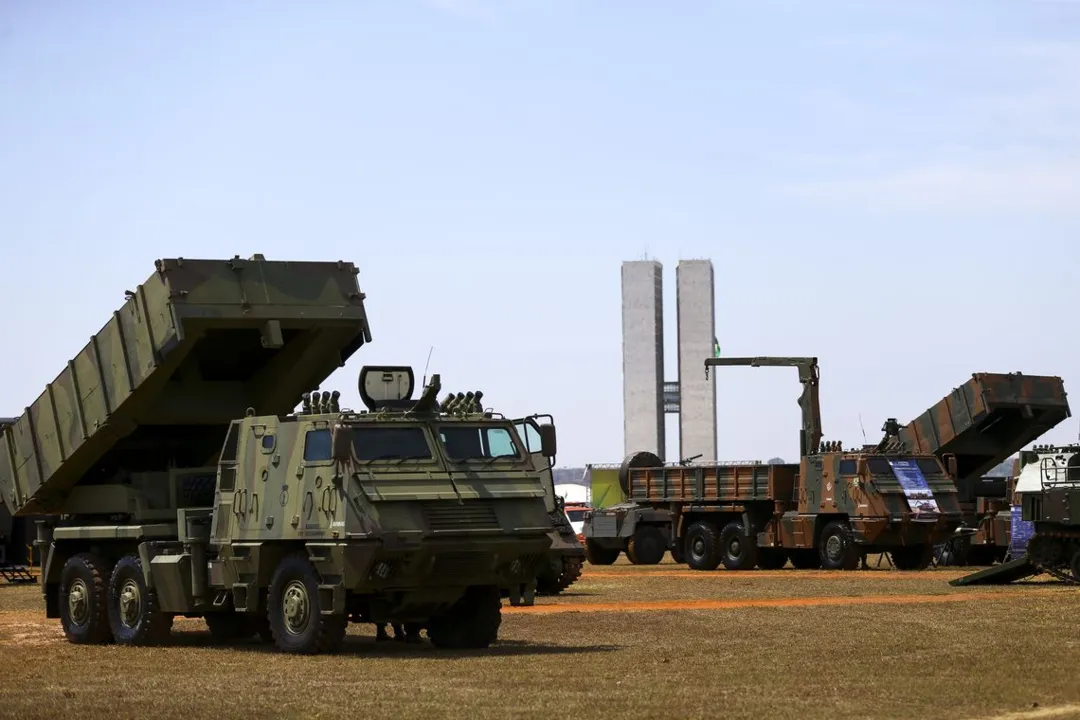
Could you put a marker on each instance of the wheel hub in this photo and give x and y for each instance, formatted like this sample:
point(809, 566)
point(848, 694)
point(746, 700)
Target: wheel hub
point(295, 604)
point(698, 547)
point(735, 547)
point(130, 602)
point(78, 605)
point(833, 547)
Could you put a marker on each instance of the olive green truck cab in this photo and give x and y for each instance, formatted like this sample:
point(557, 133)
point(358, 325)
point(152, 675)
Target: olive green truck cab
point(178, 481)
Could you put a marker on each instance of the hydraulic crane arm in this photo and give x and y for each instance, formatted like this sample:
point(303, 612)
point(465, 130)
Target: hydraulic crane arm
point(810, 437)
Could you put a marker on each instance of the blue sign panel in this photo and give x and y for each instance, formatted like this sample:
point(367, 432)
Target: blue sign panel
point(920, 498)
point(1020, 532)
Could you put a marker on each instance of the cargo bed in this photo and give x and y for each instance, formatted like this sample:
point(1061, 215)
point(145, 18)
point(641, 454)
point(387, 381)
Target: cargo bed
point(987, 419)
point(192, 348)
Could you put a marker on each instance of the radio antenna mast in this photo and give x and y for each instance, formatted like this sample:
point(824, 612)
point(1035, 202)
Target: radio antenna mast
point(424, 383)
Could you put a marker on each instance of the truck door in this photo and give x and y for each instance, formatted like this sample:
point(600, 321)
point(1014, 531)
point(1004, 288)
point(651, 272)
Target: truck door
point(529, 433)
point(312, 511)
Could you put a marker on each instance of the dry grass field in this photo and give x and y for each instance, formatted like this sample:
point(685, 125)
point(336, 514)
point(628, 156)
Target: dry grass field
point(624, 642)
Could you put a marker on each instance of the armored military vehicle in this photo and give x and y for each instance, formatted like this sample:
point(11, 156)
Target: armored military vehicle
point(982, 423)
point(179, 481)
point(828, 511)
point(1046, 529)
point(561, 566)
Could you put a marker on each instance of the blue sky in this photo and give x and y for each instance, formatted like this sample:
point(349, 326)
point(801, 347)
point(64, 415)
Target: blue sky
point(892, 186)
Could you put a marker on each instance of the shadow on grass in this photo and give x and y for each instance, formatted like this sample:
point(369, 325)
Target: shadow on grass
point(368, 647)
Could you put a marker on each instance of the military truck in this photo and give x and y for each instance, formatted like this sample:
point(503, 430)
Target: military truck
point(1045, 528)
point(179, 480)
point(981, 423)
point(829, 510)
point(562, 565)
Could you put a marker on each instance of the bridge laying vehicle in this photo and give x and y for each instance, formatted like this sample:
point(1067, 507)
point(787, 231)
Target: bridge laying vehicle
point(177, 480)
point(828, 510)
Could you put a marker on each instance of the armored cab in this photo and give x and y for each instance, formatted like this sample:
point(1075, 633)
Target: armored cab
point(177, 479)
point(980, 424)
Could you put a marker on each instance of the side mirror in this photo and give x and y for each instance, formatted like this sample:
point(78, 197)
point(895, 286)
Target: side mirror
point(950, 465)
point(341, 445)
point(547, 440)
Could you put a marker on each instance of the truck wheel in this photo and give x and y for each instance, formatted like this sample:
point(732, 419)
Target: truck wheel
point(771, 558)
point(83, 598)
point(295, 612)
point(1074, 565)
point(677, 554)
point(569, 572)
point(805, 559)
point(837, 548)
point(647, 546)
point(599, 555)
point(739, 548)
point(702, 548)
point(134, 615)
point(470, 623)
point(912, 557)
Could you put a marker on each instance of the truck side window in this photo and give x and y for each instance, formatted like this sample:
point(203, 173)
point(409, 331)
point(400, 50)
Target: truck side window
point(849, 467)
point(317, 445)
point(529, 435)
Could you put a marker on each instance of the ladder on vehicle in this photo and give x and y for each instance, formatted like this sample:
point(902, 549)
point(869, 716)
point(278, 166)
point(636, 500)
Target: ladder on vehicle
point(16, 574)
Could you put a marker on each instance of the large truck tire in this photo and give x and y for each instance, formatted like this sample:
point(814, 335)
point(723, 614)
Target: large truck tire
point(912, 557)
point(134, 615)
point(646, 546)
point(554, 583)
point(472, 623)
point(295, 612)
point(702, 546)
point(770, 558)
point(739, 548)
point(837, 547)
point(596, 554)
point(83, 600)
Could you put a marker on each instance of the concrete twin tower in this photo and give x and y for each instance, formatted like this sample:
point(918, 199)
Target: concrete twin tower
point(647, 397)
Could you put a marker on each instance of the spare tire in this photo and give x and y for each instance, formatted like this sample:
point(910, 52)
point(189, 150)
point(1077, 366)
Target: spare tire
point(636, 460)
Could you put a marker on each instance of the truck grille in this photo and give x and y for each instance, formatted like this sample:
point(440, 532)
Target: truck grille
point(472, 515)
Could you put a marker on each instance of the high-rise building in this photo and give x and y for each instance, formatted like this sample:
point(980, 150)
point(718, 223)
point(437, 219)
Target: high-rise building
point(695, 310)
point(643, 356)
point(647, 398)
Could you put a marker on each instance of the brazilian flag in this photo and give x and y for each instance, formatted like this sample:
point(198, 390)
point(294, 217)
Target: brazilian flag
point(715, 347)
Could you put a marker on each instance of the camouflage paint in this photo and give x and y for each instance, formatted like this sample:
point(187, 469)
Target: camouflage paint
point(179, 481)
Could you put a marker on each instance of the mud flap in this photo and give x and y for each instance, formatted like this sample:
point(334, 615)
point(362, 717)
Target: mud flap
point(1003, 574)
point(523, 594)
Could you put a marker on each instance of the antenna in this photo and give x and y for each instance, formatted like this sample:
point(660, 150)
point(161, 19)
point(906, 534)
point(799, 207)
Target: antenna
point(861, 427)
point(424, 383)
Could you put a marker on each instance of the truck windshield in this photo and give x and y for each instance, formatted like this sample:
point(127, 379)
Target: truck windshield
point(464, 442)
point(372, 443)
